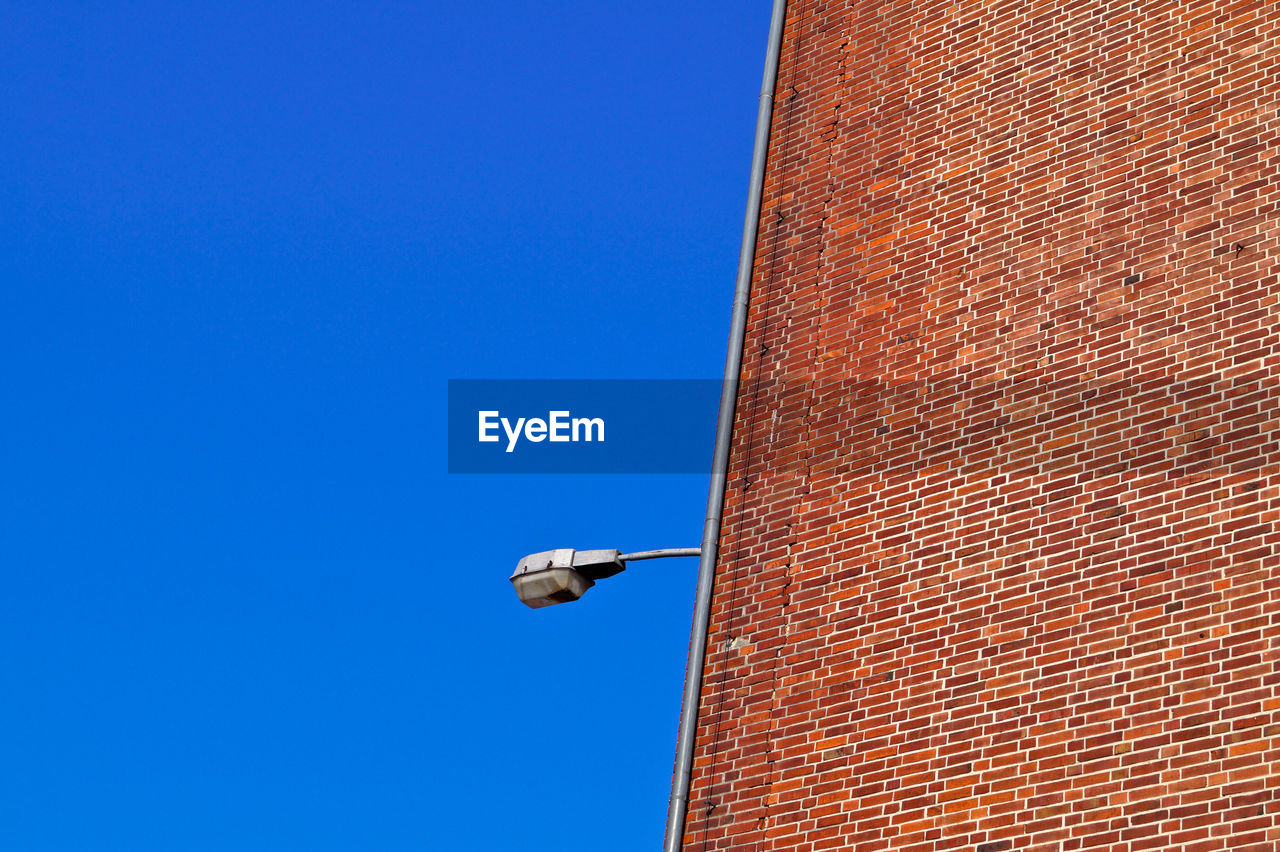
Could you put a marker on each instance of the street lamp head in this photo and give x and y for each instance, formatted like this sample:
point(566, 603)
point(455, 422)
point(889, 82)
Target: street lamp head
point(560, 576)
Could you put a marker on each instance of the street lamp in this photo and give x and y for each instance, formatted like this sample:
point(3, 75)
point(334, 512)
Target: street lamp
point(563, 580)
point(560, 576)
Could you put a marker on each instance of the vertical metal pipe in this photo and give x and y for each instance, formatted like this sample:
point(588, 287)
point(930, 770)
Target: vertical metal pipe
point(679, 803)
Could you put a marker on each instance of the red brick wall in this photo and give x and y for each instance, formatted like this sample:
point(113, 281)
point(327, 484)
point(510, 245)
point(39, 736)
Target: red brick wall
point(999, 568)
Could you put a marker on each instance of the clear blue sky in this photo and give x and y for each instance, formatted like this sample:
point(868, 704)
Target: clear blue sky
point(243, 246)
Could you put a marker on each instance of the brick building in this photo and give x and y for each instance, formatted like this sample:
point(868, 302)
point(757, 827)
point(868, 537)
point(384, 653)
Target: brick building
point(999, 561)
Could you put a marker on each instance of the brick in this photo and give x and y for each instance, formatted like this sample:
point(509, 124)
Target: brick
point(999, 562)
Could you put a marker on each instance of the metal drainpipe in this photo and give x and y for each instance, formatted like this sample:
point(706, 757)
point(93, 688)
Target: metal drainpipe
point(682, 776)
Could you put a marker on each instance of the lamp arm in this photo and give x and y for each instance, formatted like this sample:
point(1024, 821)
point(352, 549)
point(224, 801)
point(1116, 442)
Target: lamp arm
point(660, 554)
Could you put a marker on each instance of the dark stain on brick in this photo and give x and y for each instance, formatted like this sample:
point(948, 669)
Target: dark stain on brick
point(994, 846)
